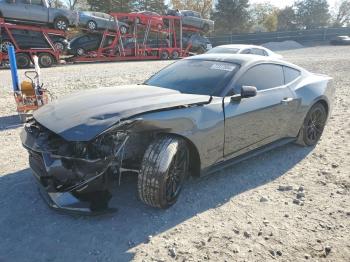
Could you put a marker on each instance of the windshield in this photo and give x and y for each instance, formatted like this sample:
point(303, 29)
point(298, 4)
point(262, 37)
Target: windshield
point(223, 50)
point(195, 76)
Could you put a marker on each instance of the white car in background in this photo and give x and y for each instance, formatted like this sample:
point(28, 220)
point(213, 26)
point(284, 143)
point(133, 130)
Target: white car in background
point(244, 49)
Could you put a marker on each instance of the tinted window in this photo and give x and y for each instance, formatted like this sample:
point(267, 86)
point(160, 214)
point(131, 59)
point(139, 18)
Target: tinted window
point(195, 76)
point(290, 74)
point(263, 76)
point(257, 51)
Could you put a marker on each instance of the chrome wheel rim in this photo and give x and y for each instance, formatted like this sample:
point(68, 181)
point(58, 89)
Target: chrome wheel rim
point(80, 51)
point(92, 25)
point(61, 25)
point(59, 46)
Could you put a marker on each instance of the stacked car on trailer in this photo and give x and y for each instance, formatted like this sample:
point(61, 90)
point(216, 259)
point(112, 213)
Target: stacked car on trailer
point(106, 37)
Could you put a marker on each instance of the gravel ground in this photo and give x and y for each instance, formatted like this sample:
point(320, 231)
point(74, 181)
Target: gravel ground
point(238, 214)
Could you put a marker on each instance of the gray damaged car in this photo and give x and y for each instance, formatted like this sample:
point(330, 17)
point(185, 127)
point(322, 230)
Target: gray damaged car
point(192, 118)
point(37, 11)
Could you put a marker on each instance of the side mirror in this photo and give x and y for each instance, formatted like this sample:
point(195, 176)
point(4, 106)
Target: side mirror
point(248, 91)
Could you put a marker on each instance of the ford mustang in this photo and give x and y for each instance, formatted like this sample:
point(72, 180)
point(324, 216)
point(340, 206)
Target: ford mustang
point(193, 117)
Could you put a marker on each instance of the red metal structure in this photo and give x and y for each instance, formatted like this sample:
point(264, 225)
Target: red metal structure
point(135, 45)
point(47, 56)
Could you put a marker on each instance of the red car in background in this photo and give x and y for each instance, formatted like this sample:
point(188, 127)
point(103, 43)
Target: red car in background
point(145, 16)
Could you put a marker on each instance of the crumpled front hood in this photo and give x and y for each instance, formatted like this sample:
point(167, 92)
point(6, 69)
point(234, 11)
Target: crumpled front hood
point(84, 115)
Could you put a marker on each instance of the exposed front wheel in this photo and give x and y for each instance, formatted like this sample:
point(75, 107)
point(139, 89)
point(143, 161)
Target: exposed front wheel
point(313, 126)
point(80, 51)
point(163, 171)
point(206, 28)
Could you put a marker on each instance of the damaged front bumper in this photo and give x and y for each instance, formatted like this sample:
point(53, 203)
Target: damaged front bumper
point(81, 189)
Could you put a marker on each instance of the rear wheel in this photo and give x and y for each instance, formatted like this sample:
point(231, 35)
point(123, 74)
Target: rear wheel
point(80, 51)
point(313, 125)
point(23, 60)
point(61, 23)
point(46, 60)
point(163, 171)
point(92, 25)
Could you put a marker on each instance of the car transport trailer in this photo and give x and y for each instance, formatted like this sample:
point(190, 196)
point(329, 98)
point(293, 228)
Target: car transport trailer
point(137, 43)
point(28, 41)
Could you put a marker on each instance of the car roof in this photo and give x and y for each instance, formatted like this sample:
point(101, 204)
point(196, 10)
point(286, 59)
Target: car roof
point(243, 59)
point(241, 46)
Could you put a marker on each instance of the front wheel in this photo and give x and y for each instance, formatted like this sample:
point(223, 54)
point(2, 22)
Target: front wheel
point(163, 171)
point(313, 125)
point(92, 25)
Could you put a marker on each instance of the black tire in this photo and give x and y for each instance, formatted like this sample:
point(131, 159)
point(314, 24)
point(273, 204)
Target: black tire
point(206, 28)
point(313, 125)
point(4, 46)
point(163, 171)
point(123, 29)
point(23, 60)
point(175, 55)
point(164, 55)
point(91, 25)
point(46, 60)
point(61, 23)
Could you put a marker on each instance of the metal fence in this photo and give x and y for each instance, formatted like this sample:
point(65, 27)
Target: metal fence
point(324, 34)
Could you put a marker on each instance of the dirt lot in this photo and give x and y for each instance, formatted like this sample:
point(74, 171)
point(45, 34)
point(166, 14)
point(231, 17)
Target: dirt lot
point(223, 217)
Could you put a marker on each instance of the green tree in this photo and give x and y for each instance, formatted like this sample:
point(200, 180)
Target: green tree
point(204, 7)
point(341, 16)
point(263, 17)
point(107, 6)
point(270, 22)
point(312, 14)
point(286, 19)
point(157, 6)
point(231, 16)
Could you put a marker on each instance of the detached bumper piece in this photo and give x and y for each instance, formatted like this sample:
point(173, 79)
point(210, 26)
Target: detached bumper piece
point(85, 197)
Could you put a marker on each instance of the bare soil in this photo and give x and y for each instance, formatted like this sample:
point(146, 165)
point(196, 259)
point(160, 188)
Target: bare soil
point(238, 214)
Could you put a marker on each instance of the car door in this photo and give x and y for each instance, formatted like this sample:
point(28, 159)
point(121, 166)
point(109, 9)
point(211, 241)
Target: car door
point(15, 9)
point(38, 11)
point(256, 121)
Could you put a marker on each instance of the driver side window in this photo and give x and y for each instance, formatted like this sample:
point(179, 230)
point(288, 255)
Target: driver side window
point(264, 76)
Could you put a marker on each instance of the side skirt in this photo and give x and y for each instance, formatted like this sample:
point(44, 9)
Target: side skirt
point(232, 161)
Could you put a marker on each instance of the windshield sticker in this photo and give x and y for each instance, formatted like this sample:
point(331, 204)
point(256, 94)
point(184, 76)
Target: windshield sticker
point(228, 68)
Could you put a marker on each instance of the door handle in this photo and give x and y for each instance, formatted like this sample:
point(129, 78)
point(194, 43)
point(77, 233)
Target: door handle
point(287, 100)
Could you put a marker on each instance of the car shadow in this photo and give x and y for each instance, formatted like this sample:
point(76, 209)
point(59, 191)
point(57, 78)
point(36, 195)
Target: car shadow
point(10, 122)
point(29, 229)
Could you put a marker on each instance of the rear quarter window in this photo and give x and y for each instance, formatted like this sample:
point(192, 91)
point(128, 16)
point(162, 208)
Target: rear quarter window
point(290, 74)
